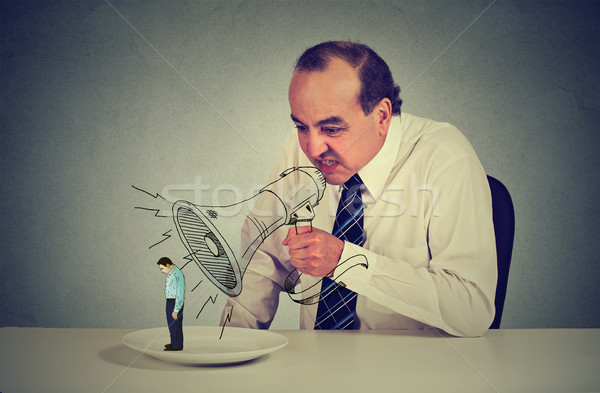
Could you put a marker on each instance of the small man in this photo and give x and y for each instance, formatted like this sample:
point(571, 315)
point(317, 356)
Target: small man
point(175, 294)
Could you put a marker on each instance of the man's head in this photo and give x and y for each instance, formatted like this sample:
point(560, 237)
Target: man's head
point(342, 97)
point(165, 265)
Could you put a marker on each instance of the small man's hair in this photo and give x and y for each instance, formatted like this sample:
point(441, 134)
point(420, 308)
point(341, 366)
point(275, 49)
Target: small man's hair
point(164, 261)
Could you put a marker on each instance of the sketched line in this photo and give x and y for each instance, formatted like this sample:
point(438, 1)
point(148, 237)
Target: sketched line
point(449, 45)
point(182, 77)
point(155, 195)
point(318, 295)
point(188, 258)
point(146, 349)
point(197, 285)
point(227, 319)
point(166, 237)
point(210, 299)
point(156, 211)
point(184, 265)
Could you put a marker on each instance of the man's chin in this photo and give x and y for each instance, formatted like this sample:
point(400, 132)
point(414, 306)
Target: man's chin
point(335, 179)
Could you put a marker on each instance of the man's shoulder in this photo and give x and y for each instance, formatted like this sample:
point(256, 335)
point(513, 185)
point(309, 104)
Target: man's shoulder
point(434, 136)
point(177, 271)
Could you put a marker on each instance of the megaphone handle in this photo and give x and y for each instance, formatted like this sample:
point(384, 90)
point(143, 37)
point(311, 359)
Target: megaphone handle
point(296, 226)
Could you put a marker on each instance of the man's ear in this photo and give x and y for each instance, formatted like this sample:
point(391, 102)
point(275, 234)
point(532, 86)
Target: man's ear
point(383, 115)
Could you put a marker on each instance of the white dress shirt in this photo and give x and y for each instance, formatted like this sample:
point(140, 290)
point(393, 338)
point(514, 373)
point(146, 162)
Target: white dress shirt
point(430, 245)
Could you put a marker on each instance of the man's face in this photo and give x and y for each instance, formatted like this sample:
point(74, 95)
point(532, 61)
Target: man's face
point(334, 133)
point(165, 269)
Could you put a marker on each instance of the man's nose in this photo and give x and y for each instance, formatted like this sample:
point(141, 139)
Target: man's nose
point(316, 144)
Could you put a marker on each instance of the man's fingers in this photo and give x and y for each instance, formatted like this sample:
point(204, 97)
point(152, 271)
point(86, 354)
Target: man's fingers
point(292, 235)
point(301, 229)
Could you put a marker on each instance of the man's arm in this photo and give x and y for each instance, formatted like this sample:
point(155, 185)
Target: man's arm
point(454, 290)
point(180, 297)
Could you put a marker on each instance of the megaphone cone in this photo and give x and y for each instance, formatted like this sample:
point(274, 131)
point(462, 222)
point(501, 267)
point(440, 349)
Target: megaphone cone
point(203, 230)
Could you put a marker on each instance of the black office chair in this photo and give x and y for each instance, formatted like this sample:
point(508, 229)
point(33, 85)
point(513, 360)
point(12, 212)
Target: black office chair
point(504, 226)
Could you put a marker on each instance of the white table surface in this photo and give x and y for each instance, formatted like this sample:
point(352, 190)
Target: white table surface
point(94, 360)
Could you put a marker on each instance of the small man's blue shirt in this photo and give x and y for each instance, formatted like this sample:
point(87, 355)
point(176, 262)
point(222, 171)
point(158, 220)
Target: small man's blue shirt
point(175, 287)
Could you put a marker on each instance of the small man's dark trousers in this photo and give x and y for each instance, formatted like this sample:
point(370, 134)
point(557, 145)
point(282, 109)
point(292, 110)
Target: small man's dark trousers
point(175, 325)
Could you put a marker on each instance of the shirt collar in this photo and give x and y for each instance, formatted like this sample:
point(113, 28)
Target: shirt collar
point(375, 174)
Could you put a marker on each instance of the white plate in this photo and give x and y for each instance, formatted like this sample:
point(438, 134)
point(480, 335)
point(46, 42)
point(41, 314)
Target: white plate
point(201, 344)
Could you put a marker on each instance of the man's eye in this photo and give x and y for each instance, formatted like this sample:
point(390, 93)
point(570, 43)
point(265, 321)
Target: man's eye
point(331, 130)
point(301, 128)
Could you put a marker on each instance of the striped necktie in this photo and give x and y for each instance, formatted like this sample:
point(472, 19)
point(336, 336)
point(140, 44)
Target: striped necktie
point(337, 311)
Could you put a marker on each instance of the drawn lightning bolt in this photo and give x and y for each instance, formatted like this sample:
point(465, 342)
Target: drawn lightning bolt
point(166, 235)
point(210, 299)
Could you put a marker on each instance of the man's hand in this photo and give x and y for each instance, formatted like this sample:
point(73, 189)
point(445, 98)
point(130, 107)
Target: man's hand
point(315, 252)
point(174, 315)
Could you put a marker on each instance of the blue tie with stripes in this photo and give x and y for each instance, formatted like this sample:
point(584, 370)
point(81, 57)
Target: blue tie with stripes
point(337, 311)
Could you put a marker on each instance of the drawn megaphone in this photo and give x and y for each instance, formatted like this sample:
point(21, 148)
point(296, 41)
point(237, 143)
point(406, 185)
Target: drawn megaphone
point(204, 229)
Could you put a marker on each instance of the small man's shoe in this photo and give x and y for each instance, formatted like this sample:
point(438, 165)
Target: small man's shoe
point(173, 349)
point(168, 345)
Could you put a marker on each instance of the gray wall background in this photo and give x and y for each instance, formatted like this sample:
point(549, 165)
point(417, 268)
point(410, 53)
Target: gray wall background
point(98, 96)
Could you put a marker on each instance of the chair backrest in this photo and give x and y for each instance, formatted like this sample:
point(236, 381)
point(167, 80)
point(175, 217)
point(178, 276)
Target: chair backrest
point(504, 226)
